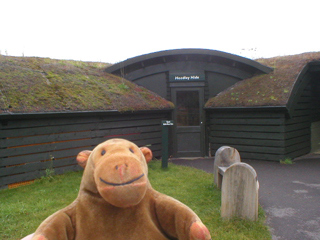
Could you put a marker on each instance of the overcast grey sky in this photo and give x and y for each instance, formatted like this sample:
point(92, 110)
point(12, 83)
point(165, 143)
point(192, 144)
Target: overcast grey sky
point(114, 30)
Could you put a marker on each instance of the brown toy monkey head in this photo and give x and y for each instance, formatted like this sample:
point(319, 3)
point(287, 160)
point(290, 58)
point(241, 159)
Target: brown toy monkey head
point(117, 170)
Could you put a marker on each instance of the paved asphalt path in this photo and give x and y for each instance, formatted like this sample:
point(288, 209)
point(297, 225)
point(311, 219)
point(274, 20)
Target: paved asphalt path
point(289, 194)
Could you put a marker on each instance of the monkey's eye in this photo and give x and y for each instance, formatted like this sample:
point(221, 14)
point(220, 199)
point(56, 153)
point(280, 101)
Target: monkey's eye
point(131, 150)
point(103, 152)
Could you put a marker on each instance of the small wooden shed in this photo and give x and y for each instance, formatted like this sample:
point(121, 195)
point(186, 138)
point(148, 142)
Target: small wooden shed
point(273, 116)
point(188, 78)
point(50, 110)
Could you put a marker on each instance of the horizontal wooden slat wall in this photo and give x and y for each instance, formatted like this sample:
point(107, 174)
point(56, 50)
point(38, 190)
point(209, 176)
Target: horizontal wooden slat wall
point(315, 85)
point(264, 134)
point(255, 134)
point(31, 145)
point(298, 126)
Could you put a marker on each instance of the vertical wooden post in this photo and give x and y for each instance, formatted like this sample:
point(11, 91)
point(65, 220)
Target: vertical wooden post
point(165, 142)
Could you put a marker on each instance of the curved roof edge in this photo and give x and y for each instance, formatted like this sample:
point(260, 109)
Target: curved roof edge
point(189, 51)
point(300, 83)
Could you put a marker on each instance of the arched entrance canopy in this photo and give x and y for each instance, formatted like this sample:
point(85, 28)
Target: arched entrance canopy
point(210, 60)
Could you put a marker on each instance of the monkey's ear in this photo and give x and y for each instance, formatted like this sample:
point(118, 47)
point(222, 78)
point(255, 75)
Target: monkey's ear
point(147, 153)
point(83, 157)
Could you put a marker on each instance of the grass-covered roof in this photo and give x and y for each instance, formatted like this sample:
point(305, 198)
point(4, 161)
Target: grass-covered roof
point(35, 85)
point(273, 89)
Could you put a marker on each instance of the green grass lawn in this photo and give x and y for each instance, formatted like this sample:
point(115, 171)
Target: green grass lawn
point(24, 208)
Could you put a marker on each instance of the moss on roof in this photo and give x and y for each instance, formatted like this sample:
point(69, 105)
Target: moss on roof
point(271, 89)
point(30, 84)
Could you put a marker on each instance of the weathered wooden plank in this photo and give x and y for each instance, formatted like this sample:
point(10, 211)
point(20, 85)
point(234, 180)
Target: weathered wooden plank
point(246, 141)
point(248, 128)
point(243, 114)
point(78, 127)
point(30, 140)
point(97, 126)
point(297, 126)
point(4, 181)
point(304, 98)
point(272, 157)
point(303, 106)
point(41, 121)
point(298, 153)
point(11, 142)
point(54, 146)
point(258, 138)
point(261, 156)
point(64, 169)
point(255, 149)
point(301, 112)
point(246, 121)
point(64, 138)
point(34, 175)
point(297, 119)
point(51, 147)
point(140, 140)
point(307, 90)
point(296, 140)
point(298, 147)
point(157, 154)
point(249, 135)
point(81, 135)
point(41, 156)
point(35, 166)
point(298, 133)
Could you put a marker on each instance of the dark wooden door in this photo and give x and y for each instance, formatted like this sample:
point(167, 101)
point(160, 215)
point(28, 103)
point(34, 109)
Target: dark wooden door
point(188, 134)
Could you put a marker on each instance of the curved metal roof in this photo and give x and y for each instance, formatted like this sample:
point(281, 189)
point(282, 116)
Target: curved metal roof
point(206, 55)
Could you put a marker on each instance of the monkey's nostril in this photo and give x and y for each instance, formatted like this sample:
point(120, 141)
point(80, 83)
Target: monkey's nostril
point(121, 166)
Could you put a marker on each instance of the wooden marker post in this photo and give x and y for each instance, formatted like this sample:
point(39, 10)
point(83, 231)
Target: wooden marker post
point(165, 142)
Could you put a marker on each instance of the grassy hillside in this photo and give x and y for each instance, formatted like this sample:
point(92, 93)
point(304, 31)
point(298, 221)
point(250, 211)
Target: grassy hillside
point(30, 84)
